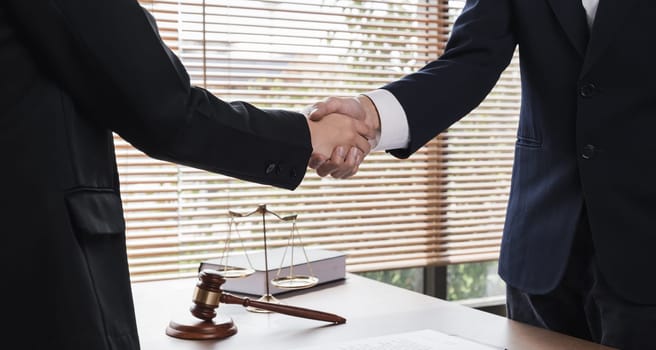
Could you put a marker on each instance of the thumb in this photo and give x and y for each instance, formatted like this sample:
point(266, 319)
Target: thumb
point(322, 109)
point(317, 111)
point(333, 105)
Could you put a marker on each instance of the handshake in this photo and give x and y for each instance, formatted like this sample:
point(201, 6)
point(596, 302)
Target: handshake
point(343, 131)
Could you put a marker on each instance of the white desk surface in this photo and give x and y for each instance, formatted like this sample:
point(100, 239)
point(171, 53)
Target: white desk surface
point(371, 308)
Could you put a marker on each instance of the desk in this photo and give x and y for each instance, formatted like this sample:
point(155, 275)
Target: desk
point(371, 308)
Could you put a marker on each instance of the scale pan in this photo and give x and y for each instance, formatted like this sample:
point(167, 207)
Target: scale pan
point(295, 282)
point(235, 272)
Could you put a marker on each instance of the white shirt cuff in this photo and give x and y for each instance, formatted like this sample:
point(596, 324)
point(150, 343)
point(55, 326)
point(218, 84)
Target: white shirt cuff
point(394, 130)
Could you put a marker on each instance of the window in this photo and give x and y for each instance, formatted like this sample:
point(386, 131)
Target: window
point(444, 205)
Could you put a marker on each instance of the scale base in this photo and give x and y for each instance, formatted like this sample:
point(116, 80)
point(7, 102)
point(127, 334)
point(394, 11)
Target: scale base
point(267, 298)
point(195, 329)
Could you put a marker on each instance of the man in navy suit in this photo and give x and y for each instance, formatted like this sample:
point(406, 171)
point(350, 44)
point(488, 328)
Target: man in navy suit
point(580, 229)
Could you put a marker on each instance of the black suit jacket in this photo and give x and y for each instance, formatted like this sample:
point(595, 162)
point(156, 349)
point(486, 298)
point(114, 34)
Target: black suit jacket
point(72, 72)
point(588, 114)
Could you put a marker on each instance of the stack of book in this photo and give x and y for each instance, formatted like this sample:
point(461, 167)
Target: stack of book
point(325, 265)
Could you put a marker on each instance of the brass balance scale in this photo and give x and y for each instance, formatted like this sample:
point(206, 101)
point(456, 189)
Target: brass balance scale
point(291, 281)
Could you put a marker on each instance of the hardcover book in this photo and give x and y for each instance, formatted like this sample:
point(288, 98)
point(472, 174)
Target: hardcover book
point(325, 265)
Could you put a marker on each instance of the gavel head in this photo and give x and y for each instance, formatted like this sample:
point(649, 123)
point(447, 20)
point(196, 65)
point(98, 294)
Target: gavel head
point(207, 294)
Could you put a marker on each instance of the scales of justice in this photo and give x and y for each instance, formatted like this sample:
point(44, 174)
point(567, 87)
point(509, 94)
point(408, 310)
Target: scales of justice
point(207, 295)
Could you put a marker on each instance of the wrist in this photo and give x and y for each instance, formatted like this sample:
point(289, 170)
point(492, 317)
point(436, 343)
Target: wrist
point(372, 118)
point(312, 128)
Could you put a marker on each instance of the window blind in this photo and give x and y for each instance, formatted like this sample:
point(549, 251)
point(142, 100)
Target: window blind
point(444, 205)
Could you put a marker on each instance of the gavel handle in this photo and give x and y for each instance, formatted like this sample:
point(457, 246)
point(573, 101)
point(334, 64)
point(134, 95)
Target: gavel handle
point(283, 309)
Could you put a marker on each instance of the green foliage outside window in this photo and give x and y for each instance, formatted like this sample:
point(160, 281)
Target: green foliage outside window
point(464, 281)
point(473, 280)
point(412, 279)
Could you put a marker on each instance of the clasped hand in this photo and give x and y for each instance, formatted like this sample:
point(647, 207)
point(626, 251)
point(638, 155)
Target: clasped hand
point(343, 131)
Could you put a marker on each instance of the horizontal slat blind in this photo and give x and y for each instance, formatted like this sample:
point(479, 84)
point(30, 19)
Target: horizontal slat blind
point(445, 204)
point(478, 155)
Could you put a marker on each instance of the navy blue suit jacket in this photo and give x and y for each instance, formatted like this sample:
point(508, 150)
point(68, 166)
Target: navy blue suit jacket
point(588, 113)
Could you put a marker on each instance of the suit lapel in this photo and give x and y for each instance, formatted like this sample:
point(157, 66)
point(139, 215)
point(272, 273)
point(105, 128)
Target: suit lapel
point(571, 15)
point(611, 15)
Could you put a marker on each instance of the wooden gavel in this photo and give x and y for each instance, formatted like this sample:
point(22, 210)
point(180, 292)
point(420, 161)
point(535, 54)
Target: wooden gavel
point(206, 299)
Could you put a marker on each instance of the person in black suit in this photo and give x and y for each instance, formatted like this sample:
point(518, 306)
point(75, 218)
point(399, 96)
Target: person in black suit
point(72, 72)
point(580, 225)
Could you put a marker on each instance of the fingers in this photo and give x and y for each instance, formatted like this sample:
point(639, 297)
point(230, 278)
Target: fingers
point(340, 166)
point(350, 165)
point(316, 160)
point(331, 165)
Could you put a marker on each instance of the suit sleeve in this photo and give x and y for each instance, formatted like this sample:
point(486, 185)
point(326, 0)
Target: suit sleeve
point(479, 49)
point(108, 55)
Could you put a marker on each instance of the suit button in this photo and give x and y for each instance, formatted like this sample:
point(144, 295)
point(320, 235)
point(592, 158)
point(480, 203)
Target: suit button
point(588, 90)
point(271, 168)
point(588, 152)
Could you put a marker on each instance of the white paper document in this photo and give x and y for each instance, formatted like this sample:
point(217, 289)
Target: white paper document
point(427, 339)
